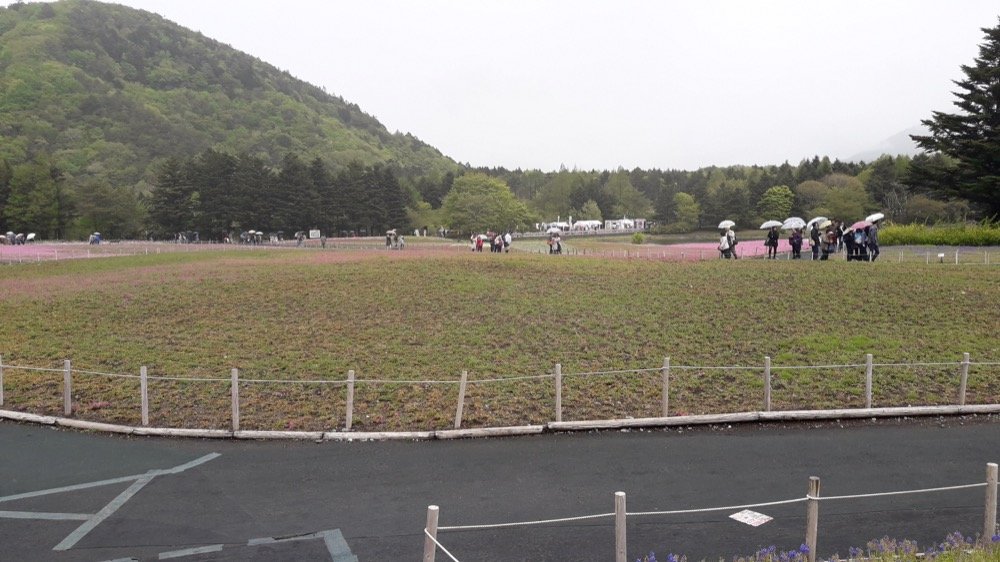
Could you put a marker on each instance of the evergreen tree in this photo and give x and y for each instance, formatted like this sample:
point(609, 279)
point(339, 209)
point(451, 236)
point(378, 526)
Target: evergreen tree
point(971, 137)
point(171, 203)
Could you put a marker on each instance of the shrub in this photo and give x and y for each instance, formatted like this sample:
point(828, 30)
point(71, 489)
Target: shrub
point(983, 234)
point(638, 238)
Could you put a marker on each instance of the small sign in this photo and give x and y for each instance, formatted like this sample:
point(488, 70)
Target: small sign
point(313, 234)
point(751, 518)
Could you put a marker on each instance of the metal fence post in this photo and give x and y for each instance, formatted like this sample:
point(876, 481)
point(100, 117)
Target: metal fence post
point(1, 380)
point(235, 391)
point(812, 517)
point(67, 388)
point(990, 516)
point(558, 392)
point(666, 386)
point(767, 383)
point(144, 392)
point(620, 534)
point(964, 380)
point(461, 399)
point(868, 380)
point(430, 548)
point(349, 415)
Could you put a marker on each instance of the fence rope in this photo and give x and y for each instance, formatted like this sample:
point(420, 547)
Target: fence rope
point(947, 364)
point(726, 508)
point(439, 545)
point(505, 379)
point(6, 366)
point(880, 494)
point(525, 523)
point(112, 375)
point(289, 381)
point(621, 372)
point(788, 367)
point(186, 379)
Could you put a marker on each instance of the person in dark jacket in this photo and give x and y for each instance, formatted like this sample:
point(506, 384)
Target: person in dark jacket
point(772, 243)
point(814, 240)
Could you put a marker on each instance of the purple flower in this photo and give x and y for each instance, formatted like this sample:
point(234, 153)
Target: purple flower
point(996, 538)
point(804, 549)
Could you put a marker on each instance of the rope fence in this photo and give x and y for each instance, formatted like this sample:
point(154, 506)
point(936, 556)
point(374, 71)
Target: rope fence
point(556, 376)
point(812, 499)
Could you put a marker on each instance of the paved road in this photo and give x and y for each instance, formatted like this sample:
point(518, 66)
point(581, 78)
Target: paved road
point(338, 501)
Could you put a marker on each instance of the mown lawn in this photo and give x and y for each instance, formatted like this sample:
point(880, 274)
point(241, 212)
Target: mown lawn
point(430, 314)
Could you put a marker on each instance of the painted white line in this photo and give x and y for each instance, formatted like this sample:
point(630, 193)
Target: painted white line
point(72, 488)
point(84, 486)
point(337, 546)
point(103, 514)
point(272, 540)
point(190, 551)
point(187, 465)
point(49, 516)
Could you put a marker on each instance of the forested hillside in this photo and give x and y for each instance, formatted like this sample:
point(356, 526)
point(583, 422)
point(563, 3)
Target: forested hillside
point(101, 95)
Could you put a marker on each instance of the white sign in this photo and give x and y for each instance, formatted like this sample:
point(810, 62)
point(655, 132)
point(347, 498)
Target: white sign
point(751, 518)
point(313, 234)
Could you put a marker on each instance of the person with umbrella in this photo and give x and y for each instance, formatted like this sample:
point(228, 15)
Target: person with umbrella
point(725, 247)
point(814, 240)
point(873, 234)
point(772, 243)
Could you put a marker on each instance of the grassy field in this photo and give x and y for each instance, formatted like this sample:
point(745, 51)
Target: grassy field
point(429, 314)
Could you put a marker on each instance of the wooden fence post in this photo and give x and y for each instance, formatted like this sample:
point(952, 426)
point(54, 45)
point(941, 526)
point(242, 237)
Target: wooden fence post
point(868, 380)
point(430, 549)
point(235, 391)
point(558, 392)
point(67, 388)
point(812, 517)
point(349, 416)
point(461, 399)
point(666, 386)
point(767, 383)
point(144, 392)
point(620, 534)
point(963, 380)
point(1, 380)
point(990, 517)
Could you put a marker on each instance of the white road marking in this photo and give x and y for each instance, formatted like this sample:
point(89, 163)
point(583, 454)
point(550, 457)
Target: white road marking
point(49, 516)
point(103, 514)
point(84, 486)
point(190, 551)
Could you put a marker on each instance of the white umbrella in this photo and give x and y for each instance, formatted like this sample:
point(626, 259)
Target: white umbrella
point(770, 224)
point(727, 224)
point(816, 220)
point(553, 230)
point(825, 223)
point(31, 236)
point(793, 223)
point(875, 217)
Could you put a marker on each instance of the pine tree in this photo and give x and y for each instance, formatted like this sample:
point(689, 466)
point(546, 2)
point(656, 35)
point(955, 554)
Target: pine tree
point(972, 137)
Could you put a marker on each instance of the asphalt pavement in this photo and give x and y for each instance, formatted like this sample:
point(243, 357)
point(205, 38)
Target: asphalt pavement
point(74, 496)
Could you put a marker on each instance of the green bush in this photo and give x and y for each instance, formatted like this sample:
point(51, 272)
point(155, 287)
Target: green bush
point(638, 238)
point(983, 234)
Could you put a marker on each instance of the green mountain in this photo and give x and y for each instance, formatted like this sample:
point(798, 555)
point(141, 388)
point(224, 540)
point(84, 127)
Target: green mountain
point(107, 93)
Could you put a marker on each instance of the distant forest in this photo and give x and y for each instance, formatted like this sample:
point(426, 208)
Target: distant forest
point(118, 121)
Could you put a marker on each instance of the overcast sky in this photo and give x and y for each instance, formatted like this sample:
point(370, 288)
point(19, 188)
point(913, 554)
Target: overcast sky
point(603, 84)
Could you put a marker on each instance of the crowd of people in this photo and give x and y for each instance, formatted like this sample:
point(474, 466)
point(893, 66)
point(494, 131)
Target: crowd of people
point(859, 241)
point(499, 243)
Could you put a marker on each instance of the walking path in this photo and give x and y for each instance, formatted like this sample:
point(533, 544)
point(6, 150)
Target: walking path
point(239, 500)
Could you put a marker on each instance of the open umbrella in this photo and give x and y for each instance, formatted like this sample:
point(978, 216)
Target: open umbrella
point(553, 230)
point(817, 220)
point(727, 224)
point(770, 224)
point(792, 223)
point(875, 217)
point(860, 225)
point(825, 223)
